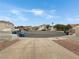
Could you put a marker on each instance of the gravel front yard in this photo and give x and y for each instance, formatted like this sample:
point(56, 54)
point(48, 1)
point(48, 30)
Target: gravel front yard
point(6, 43)
point(72, 45)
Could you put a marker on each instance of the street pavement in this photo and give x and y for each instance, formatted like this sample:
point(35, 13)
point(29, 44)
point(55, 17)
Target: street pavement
point(44, 34)
point(37, 48)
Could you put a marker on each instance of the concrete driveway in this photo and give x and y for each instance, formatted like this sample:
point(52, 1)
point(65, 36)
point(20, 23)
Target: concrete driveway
point(37, 48)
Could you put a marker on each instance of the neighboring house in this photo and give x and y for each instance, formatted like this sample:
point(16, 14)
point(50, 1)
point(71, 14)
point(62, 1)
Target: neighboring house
point(71, 31)
point(6, 29)
point(35, 28)
point(73, 25)
point(52, 29)
point(45, 27)
point(76, 30)
point(42, 28)
point(26, 28)
point(6, 26)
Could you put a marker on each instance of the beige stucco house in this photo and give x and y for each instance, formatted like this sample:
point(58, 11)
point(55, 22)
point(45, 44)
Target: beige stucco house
point(6, 26)
point(76, 30)
point(6, 29)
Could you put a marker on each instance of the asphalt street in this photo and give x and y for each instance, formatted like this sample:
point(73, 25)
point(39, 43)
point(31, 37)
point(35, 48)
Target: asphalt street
point(42, 34)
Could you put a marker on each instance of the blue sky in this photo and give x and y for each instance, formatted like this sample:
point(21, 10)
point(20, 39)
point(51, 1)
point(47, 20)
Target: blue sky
point(37, 12)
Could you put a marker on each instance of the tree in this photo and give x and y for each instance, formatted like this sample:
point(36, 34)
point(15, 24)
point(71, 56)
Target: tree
point(68, 27)
point(47, 26)
point(59, 27)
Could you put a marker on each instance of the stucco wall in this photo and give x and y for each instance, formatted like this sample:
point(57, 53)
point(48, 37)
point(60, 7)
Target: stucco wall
point(6, 26)
point(77, 30)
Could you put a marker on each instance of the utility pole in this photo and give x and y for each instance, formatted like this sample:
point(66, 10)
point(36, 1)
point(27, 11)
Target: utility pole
point(52, 23)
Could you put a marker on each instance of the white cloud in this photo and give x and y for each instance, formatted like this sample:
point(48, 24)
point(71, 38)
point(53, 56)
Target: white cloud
point(12, 19)
point(52, 17)
point(5, 18)
point(23, 19)
point(43, 13)
point(72, 19)
point(36, 12)
point(14, 11)
point(19, 14)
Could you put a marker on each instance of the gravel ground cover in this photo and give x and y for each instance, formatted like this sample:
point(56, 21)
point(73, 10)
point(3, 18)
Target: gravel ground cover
point(71, 37)
point(72, 45)
point(6, 43)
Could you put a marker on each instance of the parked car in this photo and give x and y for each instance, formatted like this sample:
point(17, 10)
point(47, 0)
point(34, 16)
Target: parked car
point(69, 32)
point(20, 33)
point(14, 32)
point(66, 32)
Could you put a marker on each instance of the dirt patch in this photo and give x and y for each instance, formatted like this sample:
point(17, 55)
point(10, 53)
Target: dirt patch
point(72, 45)
point(6, 43)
